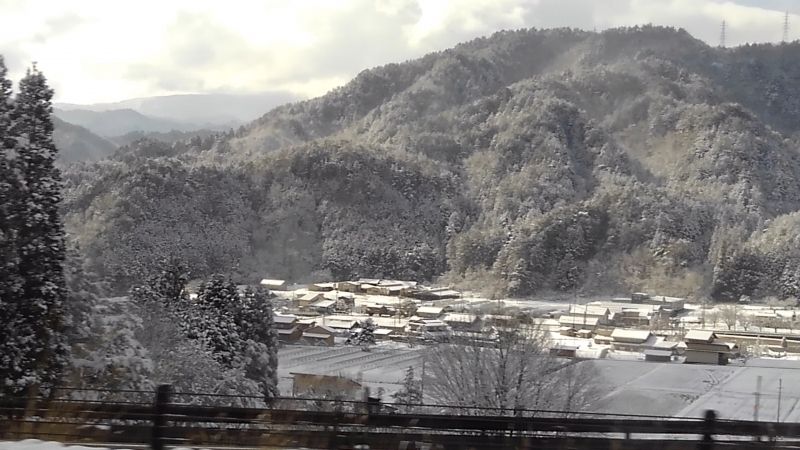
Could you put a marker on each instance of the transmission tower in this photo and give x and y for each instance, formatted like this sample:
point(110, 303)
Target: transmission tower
point(785, 28)
point(722, 35)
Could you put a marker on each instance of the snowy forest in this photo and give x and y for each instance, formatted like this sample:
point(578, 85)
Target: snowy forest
point(58, 327)
point(524, 163)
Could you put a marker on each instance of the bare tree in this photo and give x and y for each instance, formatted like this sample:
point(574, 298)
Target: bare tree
point(509, 375)
point(729, 315)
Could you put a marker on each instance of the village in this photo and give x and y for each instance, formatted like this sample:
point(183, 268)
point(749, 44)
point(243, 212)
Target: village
point(315, 320)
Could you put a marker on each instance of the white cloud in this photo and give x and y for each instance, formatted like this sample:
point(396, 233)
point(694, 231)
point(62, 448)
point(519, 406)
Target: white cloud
point(98, 50)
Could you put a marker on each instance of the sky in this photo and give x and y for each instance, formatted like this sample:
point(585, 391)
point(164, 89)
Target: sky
point(101, 51)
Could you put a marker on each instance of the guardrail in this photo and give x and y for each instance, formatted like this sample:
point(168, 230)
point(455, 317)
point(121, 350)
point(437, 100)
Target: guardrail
point(325, 423)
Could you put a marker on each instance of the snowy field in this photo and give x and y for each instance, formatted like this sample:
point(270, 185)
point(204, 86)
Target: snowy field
point(381, 367)
point(625, 387)
point(684, 390)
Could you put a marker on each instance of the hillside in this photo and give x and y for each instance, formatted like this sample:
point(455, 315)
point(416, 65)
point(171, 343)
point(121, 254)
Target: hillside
point(520, 163)
point(77, 144)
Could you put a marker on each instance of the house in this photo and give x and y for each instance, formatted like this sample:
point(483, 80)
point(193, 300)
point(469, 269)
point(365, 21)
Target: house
point(324, 386)
point(324, 306)
point(463, 322)
point(393, 323)
point(631, 340)
point(500, 320)
point(349, 286)
point(600, 312)
point(306, 300)
point(430, 312)
point(431, 294)
point(578, 322)
point(287, 327)
point(380, 310)
point(321, 287)
point(274, 285)
point(319, 335)
point(654, 355)
point(564, 351)
point(428, 329)
point(704, 347)
point(342, 325)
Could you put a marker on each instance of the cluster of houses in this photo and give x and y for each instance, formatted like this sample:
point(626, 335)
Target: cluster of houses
point(406, 311)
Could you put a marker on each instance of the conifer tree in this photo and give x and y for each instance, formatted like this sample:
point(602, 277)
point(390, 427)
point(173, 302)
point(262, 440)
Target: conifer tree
point(36, 346)
point(10, 283)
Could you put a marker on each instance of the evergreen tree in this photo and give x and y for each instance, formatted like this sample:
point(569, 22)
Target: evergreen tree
point(213, 319)
point(10, 282)
point(36, 349)
point(254, 318)
point(364, 335)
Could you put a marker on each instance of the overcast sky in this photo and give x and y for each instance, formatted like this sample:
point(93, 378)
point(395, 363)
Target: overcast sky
point(108, 50)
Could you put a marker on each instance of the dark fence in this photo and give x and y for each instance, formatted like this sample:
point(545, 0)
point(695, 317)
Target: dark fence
point(165, 420)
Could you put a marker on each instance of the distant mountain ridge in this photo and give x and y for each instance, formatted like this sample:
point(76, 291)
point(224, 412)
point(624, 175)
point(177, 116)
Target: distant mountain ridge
point(119, 122)
point(202, 110)
point(525, 162)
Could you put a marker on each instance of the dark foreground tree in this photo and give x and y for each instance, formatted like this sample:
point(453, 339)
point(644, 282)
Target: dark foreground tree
point(34, 349)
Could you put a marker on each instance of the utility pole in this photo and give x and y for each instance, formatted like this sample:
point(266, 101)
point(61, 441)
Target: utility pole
point(780, 391)
point(722, 35)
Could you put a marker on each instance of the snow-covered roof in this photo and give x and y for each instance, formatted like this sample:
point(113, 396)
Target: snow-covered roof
point(271, 282)
point(592, 310)
point(430, 310)
point(460, 318)
point(630, 334)
point(324, 304)
point(311, 296)
point(280, 318)
point(699, 336)
point(573, 320)
point(383, 331)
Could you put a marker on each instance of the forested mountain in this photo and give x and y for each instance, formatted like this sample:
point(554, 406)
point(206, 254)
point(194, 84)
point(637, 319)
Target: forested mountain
point(79, 144)
point(524, 162)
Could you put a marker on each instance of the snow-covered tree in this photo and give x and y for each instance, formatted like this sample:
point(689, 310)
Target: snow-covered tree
point(364, 335)
point(34, 351)
point(10, 282)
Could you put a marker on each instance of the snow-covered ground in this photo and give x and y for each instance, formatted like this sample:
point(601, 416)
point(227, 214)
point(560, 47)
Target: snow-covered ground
point(626, 386)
